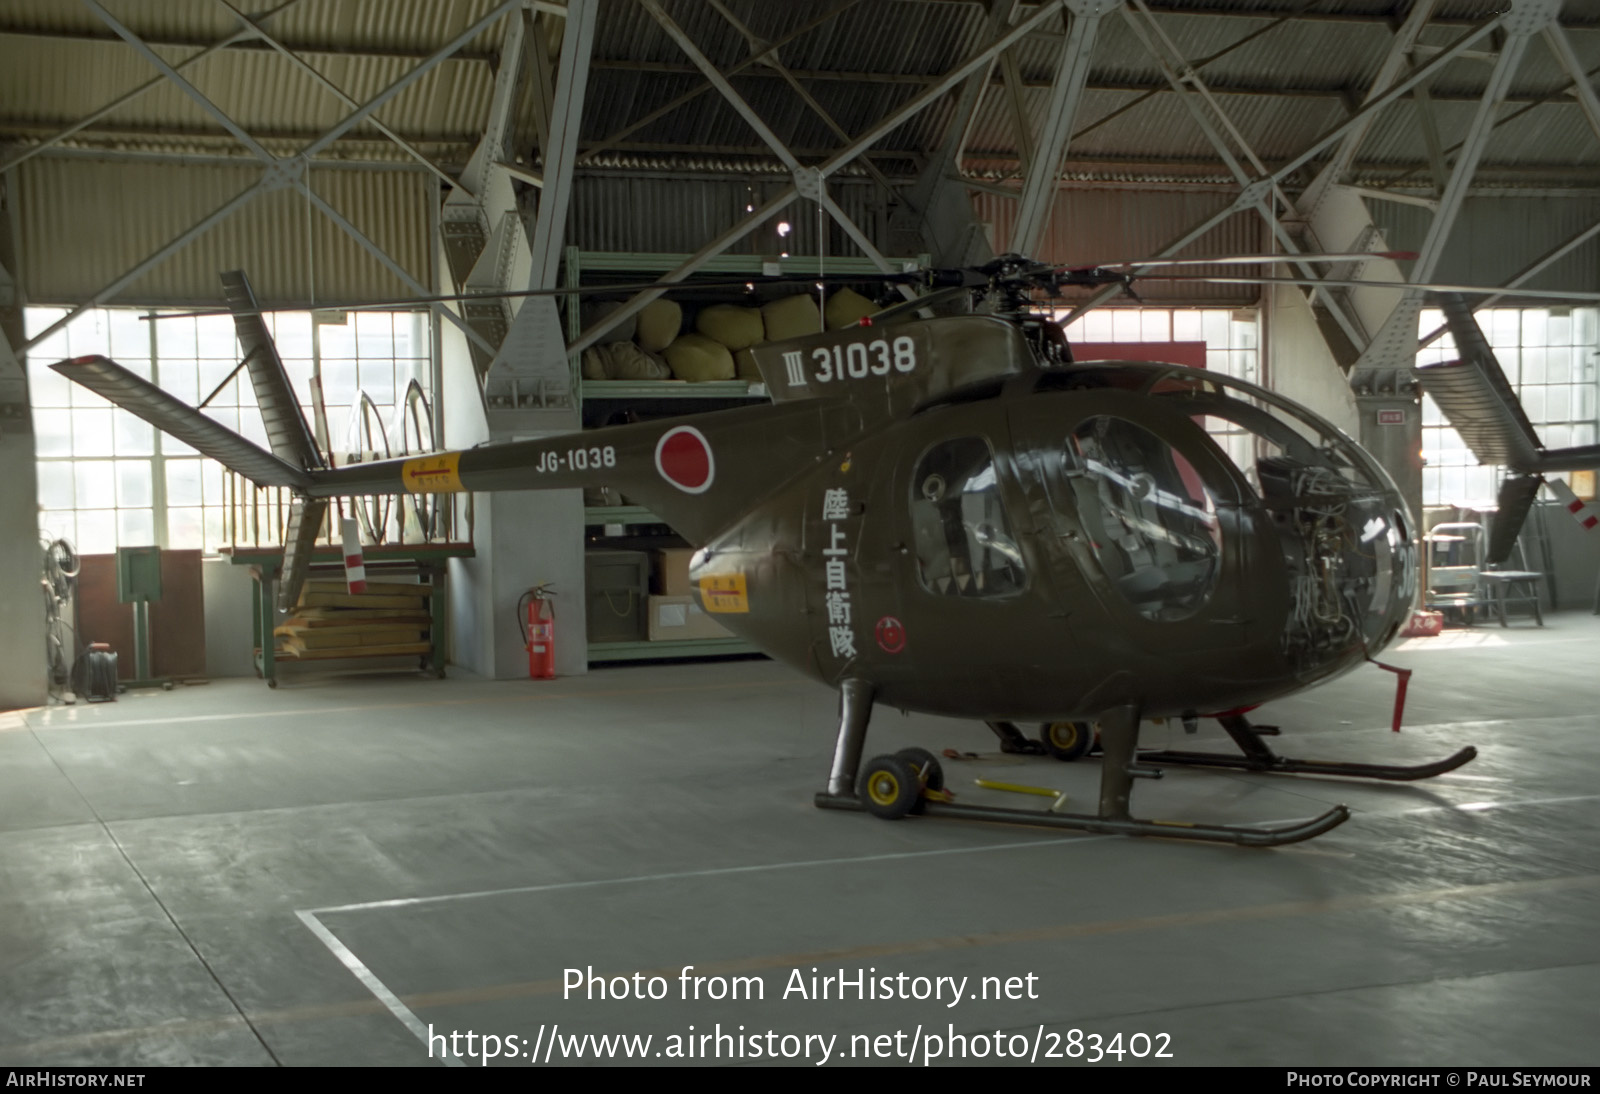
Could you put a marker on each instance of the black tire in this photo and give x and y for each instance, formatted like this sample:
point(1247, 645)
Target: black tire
point(1067, 740)
point(927, 764)
point(889, 787)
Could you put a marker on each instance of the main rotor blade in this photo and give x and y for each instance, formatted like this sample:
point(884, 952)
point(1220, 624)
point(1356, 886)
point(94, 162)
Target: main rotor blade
point(933, 299)
point(1470, 290)
point(1249, 260)
point(585, 290)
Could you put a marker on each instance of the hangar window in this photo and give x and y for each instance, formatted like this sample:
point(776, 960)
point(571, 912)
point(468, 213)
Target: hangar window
point(964, 541)
point(1549, 356)
point(1232, 346)
point(107, 479)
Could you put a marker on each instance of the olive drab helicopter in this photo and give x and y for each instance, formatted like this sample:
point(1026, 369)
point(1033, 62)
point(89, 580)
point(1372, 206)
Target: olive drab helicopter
point(947, 514)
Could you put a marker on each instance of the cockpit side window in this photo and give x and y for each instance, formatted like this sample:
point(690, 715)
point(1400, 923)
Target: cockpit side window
point(1147, 514)
point(964, 542)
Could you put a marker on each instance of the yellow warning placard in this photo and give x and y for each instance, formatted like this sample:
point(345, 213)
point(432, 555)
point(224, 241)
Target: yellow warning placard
point(435, 474)
point(724, 593)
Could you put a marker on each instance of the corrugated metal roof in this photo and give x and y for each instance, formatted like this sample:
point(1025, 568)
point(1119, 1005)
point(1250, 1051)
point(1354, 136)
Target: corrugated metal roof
point(66, 255)
point(1282, 83)
point(1285, 83)
point(1495, 238)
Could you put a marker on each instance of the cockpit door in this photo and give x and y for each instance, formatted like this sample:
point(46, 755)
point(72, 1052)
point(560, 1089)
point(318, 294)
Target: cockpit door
point(1139, 515)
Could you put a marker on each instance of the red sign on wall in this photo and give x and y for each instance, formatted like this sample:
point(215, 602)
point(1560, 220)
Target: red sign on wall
point(1391, 417)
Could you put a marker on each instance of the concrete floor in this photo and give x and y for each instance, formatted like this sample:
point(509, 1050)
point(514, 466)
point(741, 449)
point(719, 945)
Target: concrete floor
point(321, 874)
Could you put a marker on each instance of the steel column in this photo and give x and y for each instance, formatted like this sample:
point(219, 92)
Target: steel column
point(566, 114)
point(1066, 93)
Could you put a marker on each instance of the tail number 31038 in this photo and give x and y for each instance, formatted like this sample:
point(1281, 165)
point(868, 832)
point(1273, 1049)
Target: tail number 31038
point(858, 360)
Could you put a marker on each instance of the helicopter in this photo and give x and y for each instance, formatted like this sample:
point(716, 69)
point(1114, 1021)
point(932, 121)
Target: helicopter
point(946, 513)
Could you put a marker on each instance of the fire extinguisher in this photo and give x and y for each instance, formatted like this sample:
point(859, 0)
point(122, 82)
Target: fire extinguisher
point(536, 615)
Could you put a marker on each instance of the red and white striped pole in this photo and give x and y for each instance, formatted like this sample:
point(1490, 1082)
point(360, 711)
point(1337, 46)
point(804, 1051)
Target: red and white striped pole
point(1580, 510)
point(355, 570)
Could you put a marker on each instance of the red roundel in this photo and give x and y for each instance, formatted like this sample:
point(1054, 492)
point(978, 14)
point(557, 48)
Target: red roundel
point(891, 634)
point(683, 456)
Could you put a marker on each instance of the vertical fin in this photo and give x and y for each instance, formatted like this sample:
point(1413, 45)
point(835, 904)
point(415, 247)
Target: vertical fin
point(286, 425)
point(299, 540)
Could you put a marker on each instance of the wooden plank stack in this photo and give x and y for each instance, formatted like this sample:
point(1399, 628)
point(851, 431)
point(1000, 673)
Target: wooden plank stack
point(390, 619)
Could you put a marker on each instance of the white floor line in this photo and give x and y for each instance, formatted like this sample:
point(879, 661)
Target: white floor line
point(411, 902)
point(370, 981)
point(419, 1030)
point(560, 886)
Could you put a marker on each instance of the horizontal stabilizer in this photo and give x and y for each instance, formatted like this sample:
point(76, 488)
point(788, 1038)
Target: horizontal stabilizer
point(143, 399)
point(1491, 424)
point(1475, 396)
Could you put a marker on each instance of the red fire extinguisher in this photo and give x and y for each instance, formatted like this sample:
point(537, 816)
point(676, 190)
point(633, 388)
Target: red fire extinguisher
point(539, 631)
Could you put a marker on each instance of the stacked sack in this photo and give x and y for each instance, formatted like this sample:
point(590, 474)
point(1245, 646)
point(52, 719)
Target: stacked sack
point(654, 346)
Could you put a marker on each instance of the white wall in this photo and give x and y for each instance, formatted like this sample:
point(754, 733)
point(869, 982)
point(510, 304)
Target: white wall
point(22, 656)
point(522, 539)
point(1299, 363)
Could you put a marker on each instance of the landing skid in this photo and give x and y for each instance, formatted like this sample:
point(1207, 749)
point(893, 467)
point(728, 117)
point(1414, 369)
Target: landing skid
point(1210, 833)
point(1257, 756)
point(911, 781)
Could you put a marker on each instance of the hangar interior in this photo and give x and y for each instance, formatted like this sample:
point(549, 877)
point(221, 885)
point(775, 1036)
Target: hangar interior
point(412, 836)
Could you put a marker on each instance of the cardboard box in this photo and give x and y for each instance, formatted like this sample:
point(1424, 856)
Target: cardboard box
point(615, 594)
point(671, 576)
point(678, 617)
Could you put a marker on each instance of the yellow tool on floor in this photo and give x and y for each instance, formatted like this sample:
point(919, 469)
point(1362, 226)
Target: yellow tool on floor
point(1056, 806)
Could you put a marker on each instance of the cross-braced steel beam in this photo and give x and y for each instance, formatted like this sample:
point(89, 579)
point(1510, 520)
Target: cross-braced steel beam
point(1251, 194)
point(251, 30)
point(788, 194)
point(328, 85)
point(805, 178)
point(1521, 277)
point(662, 111)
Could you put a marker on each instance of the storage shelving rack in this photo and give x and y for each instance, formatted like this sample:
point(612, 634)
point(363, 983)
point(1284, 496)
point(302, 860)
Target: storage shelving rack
point(579, 264)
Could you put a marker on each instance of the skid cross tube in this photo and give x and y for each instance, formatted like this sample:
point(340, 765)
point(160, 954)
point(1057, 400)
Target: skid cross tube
point(1258, 757)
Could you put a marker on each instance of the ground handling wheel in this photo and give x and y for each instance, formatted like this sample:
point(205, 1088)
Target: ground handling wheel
point(1067, 740)
point(890, 787)
point(929, 770)
point(926, 765)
